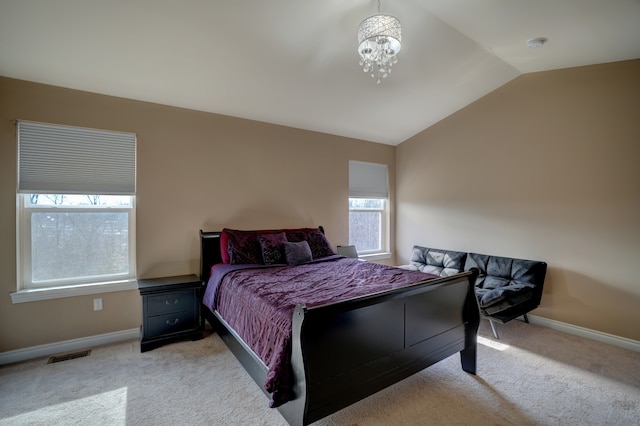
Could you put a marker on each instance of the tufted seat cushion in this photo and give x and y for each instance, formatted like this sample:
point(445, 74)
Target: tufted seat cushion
point(437, 262)
point(505, 283)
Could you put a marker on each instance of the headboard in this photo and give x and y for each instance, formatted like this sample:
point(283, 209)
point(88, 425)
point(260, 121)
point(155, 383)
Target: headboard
point(209, 253)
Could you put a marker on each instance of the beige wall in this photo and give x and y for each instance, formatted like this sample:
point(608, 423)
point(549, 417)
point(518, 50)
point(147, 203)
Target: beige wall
point(546, 167)
point(195, 171)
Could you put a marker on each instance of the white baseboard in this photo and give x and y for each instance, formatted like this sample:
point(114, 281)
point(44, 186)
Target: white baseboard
point(134, 333)
point(610, 339)
point(67, 346)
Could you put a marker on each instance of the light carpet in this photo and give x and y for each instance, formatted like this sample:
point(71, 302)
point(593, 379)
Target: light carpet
point(531, 376)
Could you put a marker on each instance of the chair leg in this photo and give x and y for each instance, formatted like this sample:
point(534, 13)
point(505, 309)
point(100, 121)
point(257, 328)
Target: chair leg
point(493, 328)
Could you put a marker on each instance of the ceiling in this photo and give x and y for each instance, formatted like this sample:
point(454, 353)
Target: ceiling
point(294, 62)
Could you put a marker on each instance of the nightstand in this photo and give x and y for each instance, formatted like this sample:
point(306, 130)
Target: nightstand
point(170, 310)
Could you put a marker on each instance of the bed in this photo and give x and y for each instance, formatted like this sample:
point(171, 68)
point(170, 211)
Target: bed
point(331, 349)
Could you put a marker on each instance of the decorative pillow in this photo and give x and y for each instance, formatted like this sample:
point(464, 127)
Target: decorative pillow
point(271, 246)
point(297, 253)
point(318, 243)
point(224, 247)
point(243, 247)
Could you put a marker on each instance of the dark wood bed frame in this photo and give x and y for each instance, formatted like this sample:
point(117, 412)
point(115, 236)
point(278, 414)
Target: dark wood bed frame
point(343, 352)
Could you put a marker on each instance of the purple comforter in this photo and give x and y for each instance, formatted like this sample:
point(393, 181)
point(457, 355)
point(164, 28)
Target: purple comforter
point(258, 302)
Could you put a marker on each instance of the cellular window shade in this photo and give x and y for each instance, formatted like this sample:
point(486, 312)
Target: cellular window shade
point(368, 180)
point(74, 160)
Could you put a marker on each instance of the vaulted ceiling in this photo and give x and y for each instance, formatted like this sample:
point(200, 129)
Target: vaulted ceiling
point(295, 63)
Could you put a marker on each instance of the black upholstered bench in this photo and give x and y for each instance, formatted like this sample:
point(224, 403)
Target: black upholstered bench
point(506, 287)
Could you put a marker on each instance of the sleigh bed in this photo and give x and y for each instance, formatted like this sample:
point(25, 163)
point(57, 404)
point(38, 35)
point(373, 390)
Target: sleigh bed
point(324, 349)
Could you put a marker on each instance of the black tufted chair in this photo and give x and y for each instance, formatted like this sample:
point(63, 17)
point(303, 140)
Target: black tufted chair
point(506, 288)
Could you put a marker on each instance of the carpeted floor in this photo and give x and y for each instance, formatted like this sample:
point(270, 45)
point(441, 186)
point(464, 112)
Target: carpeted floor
point(531, 376)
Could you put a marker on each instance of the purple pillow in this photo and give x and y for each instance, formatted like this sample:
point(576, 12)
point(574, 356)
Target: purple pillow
point(320, 246)
point(318, 243)
point(271, 246)
point(297, 253)
point(243, 247)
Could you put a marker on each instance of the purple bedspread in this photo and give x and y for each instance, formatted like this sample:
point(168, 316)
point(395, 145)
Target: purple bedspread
point(258, 302)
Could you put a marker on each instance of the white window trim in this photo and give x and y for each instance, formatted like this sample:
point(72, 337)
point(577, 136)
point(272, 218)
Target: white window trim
point(375, 256)
point(71, 290)
point(384, 252)
point(32, 295)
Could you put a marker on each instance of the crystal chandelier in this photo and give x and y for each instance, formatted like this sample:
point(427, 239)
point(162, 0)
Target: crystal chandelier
point(378, 44)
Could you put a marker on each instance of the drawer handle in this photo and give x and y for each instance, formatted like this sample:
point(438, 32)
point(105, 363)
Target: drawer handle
point(168, 302)
point(174, 322)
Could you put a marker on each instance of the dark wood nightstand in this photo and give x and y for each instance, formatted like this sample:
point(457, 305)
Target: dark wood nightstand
point(170, 310)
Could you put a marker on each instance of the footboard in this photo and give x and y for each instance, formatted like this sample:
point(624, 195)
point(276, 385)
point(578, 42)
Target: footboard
point(346, 351)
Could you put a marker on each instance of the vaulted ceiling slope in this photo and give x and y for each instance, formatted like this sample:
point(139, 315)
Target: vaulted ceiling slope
point(294, 62)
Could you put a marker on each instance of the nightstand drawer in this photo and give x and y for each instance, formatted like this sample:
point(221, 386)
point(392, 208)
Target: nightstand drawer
point(172, 302)
point(172, 323)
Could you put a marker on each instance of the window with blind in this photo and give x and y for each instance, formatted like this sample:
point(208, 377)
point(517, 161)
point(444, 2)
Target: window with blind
point(368, 207)
point(76, 210)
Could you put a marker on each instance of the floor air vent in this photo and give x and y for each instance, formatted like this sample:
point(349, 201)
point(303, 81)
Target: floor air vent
point(67, 357)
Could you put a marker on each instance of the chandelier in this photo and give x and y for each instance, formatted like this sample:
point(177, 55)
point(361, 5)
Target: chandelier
point(378, 44)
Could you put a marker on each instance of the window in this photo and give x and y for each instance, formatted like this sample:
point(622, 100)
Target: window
point(75, 211)
point(367, 225)
point(75, 239)
point(368, 208)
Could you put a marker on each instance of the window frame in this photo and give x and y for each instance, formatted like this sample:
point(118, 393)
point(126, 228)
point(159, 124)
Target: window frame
point(384, 251)
point(28, 291)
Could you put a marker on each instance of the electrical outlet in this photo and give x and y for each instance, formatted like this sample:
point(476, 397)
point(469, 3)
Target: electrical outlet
point(97, 304)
